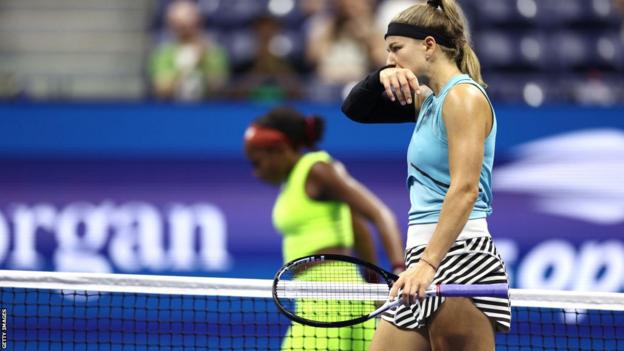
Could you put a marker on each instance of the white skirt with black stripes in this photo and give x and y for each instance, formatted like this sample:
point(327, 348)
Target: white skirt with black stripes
point(471, 261)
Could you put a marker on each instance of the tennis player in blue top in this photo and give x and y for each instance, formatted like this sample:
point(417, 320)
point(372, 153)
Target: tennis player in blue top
point(449, 175)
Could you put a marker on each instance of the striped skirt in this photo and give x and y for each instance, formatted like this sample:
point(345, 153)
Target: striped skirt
point(471, 261)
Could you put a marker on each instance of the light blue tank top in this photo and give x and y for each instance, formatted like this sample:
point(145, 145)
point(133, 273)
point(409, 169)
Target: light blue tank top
point(428, 176)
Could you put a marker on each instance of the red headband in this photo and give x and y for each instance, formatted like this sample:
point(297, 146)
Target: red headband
point(265, 137)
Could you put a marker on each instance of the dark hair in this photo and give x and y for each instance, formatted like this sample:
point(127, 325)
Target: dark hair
point(302, 131)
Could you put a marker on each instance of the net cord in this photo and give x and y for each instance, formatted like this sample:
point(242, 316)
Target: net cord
point(262, 288)
point(134, 283)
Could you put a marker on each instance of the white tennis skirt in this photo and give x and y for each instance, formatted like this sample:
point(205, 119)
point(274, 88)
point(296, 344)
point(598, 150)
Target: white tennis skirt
point(471, 261)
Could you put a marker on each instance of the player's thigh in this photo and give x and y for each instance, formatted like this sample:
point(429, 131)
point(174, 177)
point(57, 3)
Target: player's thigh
point(459, 325)
point(389, 337)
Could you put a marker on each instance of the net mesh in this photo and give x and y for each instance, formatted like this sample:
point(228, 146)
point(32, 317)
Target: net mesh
point(541, 328)
point(157, 313)
point(79, 320)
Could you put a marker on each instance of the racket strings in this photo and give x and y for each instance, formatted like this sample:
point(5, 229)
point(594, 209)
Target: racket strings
point(331, 291)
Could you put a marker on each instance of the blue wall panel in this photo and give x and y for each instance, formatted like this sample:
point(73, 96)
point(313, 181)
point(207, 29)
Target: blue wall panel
point(215, 130)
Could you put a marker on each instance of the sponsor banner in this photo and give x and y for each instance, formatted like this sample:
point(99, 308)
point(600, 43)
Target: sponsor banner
point(213, 218)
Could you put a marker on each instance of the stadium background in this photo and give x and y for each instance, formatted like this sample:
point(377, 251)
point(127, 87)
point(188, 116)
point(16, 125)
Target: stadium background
point(99, 176)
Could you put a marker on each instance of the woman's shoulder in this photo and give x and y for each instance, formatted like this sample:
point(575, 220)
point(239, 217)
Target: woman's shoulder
point(464, 104)
point(309, 160)
point(466, 93)
point(317, 155)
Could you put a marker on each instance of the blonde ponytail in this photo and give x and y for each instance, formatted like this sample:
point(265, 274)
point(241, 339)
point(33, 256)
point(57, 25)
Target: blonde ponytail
point(468, 63)
point(446, 17)
point(466, 58)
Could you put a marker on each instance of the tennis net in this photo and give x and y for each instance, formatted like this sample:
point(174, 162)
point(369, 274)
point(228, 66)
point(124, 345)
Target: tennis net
point(88, 311)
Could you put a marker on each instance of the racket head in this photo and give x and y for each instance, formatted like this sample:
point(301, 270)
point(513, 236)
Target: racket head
point(328, 290)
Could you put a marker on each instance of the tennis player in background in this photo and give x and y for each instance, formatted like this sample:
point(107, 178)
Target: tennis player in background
point(449, 162)
point(320, 209)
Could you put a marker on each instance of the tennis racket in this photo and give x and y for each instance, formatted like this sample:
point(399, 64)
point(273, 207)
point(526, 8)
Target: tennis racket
point(328, 290)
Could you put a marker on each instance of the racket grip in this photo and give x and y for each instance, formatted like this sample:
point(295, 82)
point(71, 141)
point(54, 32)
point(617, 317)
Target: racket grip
point(472, 290)
point(388, 305)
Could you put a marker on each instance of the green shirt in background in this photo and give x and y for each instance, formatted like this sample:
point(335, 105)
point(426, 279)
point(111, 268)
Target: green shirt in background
point(203, 79)
point(309, 225)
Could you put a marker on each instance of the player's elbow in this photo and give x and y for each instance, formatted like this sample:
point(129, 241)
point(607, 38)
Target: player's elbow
point(385, 215)
point(356, 108)
point(471, 192)
point(349, 108)
point(467, 192)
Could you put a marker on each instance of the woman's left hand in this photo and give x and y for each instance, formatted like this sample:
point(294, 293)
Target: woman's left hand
point(413, 283)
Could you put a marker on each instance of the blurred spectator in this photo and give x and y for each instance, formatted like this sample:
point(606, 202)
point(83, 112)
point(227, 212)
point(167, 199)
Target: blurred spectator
point(346, 43)
point(594, 90)
point(312, 7)
point(8, 85)
point(271, 76)
point(388, 9)
point(619, 6)
point(190, 67)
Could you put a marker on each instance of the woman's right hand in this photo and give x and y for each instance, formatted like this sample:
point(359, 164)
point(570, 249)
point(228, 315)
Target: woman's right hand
point(400, 84)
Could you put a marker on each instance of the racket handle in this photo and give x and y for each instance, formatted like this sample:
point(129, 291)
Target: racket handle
point(469, 290)
point(386, 306)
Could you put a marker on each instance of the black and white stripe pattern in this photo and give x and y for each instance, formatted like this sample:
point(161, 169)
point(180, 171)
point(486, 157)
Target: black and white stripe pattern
point(472, 261)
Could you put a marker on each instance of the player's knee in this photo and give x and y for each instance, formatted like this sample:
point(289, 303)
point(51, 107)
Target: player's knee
point(454, 340)
point(459, 326)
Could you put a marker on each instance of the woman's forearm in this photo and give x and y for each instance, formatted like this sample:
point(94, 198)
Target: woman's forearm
point(363, 242)
point(456, 209)
point(367, 104)
point(390, 236)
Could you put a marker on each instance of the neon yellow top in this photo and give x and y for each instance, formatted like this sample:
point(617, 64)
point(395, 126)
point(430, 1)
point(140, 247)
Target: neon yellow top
point(309, 225)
